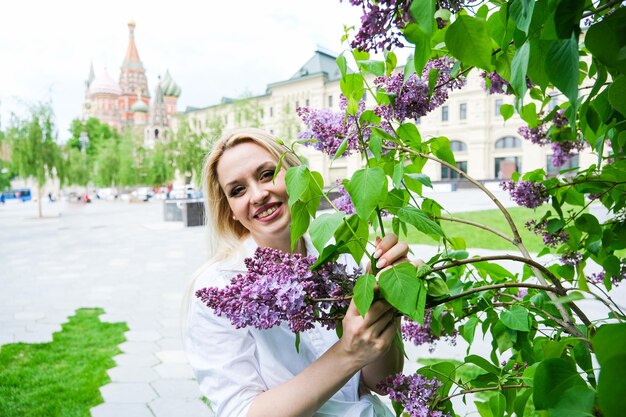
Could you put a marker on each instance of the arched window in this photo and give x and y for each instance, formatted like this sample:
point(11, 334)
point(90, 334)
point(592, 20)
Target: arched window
point(508, 142)
point(458, 146)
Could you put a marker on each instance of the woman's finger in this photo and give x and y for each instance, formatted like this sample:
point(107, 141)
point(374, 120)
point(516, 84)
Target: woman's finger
point(396, 252)
point(384, 244)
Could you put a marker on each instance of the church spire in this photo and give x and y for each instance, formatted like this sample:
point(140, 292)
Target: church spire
point(131, 60)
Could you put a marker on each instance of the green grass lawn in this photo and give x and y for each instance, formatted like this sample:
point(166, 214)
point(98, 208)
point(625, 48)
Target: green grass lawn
point(479, 238)
point(60, 378)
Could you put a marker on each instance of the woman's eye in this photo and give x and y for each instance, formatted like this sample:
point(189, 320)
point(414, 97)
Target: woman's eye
point(236, 191)
point(268, 174)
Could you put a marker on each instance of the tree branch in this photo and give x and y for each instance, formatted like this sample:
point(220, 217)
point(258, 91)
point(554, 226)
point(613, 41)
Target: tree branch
point(474, 390)
point(475, 224)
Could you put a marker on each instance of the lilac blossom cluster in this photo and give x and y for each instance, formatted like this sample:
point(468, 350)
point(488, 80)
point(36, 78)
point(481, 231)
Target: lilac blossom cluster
point(411, 99)
point(549, 239)
point(564, 151)
point(599, 277)
point(419, 335)
point(415, 393)
point(280, 287)
point(571, 258)
point(526, 193)
point(344, 202)
point(497, 84)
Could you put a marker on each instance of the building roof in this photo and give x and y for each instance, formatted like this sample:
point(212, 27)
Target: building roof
point(320, 62)
point(169, 87)
point(131, 59)
point(104, 84)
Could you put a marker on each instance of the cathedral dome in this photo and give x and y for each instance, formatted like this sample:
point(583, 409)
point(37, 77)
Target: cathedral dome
point(139, 106)
point(104, 84)
point(169, 87)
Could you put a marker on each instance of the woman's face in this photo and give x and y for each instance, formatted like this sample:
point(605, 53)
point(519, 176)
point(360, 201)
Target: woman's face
point(245, 174)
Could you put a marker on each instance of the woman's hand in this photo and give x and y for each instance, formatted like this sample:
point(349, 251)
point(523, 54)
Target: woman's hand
point(366, 339)
point(390, 251)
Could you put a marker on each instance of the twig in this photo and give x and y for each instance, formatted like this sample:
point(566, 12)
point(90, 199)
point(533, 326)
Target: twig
point(479, 225)
point(493, 287)
point(474, 390)
point(601, 8)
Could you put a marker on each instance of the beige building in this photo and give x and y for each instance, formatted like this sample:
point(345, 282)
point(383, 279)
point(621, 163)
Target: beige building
point(485, 146)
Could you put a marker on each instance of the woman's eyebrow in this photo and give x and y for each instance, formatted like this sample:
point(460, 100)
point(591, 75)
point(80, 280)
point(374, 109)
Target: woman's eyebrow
point(260, 168)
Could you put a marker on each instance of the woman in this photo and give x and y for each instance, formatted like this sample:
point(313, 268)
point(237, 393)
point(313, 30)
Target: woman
point(251, 372)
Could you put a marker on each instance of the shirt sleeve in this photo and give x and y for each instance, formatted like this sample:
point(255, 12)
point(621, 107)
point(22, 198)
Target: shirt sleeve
point(224, 360)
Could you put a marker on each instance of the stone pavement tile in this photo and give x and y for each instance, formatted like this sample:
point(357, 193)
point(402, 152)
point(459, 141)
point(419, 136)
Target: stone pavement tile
point(172, 407)
point(136, 359)
point(172, 356)
point(33, 337)
point(42, 327)
point(142, 335)
point(118, 392)
point(174, 371)
point(114, 318)
point(177, 388)
point(7, 338)
point(29, 315)
point(121, 410)
point(171, 343)
point(139, 347)
point(132, 374)
point(170, 332)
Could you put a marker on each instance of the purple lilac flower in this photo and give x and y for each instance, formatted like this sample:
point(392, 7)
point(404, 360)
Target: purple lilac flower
point(571, 258)
point(381, 24)
point(536, 135)
point(564, 151)
point(559, 119)
point(522, 292)
point(419, 335)
point(415, 393)
point(549, 239)
point(498, 85)
point(344, 202)
point(526, 193)
point(410, 98)
point(280, 287)
point(598, 278)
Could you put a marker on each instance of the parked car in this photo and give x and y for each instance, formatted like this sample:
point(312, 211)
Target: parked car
point(143, 193)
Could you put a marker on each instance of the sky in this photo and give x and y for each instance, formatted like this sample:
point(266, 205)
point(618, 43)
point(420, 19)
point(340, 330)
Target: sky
point(213, 49)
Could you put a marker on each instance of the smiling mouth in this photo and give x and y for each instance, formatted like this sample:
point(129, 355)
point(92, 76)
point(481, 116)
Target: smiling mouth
point(267, 212)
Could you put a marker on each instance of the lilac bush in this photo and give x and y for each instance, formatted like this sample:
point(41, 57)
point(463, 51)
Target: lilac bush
point(526, 193)
point(419, 335)
point(281, 287)
point(415, 393)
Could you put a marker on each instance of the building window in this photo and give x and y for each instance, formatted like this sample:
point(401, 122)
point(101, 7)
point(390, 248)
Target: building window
point(225, 119)
point(444, 113)
point(261, 113)
point(498, 105)
point(508, 142)
point(463, 111)
point(297, 104)
point(552, 171)
point(271, 111)
point(330, 101)
point(306, 103)
point(448, 174)
point(505, 167)
point(458, 146)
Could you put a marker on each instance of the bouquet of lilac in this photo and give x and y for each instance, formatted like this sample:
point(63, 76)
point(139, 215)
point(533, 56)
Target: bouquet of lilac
point(281, 287)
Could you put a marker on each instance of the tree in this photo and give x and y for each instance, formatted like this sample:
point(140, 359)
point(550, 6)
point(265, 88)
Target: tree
point(159, 166)
point(544, 345)
point(189, 148)
point(34, 151)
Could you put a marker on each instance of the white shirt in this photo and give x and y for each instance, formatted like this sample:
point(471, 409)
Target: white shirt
point(233, 366)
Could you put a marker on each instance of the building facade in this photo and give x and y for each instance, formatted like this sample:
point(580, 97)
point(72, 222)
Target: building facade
point(485, 146)
point(127, 104)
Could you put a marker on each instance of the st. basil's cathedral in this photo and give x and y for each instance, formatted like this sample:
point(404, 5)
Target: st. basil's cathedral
point(127, 104)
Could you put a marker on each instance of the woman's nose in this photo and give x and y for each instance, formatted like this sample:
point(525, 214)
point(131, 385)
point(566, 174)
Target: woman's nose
point(259, 195)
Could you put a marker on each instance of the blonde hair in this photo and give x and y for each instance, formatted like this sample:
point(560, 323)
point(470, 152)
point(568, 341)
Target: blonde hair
point(225, 233)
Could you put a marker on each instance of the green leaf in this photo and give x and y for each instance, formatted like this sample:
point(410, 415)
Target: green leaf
point(297, 179)
point(398, 173)
point(567, 18)
point(376, 68)
point(441, 148)
point(324, 227)
point(520, 402)
point(522, 12)
point(422, 178)
point(352, 85)
point(376, 145)
point(415, 35)
point(468, 40)
point(516, 318)
point(364, 293)
point(483, 363)
point(422, 12)
point(299, 222)
point(468, 329)
point(367, 189)
point(408, 133)
point(606, 40)
point(437, 287)
point(519, 67)
point(420, 220)
point(341, 149)
point(400, 287)
point(497, 404)
point(588, 223)
point(553, 377)
point(342, 64)
point(390, 62)
point(609, 341)
point(617, 94)
point(612, 386)
point(507, 110)
point(575, 402)
point(561, 66)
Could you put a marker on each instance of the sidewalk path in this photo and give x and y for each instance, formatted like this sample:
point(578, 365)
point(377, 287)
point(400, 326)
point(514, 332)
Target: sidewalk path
point(124, 258)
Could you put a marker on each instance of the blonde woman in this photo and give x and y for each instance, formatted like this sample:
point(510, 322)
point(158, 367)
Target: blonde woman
point(258, 373)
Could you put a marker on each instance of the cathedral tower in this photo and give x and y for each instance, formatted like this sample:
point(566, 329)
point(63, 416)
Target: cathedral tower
point(133, 80)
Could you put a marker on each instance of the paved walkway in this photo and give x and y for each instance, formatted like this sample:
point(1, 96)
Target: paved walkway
point(124, 258)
